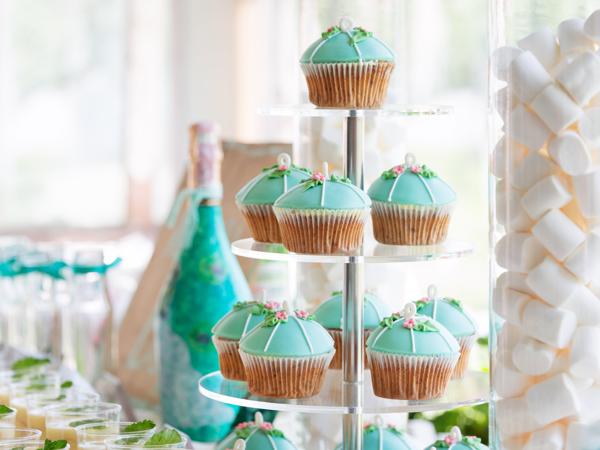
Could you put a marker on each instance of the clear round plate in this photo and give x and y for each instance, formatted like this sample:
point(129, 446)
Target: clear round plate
point(371, 252)
point(471, 390)
point(308, 110)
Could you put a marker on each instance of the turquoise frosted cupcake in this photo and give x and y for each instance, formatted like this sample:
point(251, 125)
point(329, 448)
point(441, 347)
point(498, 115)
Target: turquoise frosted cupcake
point(329, 314)
point(347, 68)
point(456, 441)
point(255, 200)
point(411, 205)
point(232, 327)
point(256, 435)
point(287, 355)
point(377, 436)
point(412, 357)
point(451, 314)
point(324, 214)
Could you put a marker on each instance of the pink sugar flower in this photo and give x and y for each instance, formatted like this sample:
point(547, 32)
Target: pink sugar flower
point(272, 305)
point(415, 169)
point(450, 440)
point(398, 170)
point(283, 167)
point(242, 425)
point(318, 176)
point(281, 315)
point(300, 314)
point(409, 323)
point(424, 299)
point(266, 426)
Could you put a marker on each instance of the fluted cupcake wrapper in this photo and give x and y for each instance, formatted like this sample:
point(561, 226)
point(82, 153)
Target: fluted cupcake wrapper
point(396, 224)
point(466, 344)
point(230, 363)
point(262, 222)
point(282, 377)
point(410, 377)
point(348, 85)
point(336, 362)
point(321, 231)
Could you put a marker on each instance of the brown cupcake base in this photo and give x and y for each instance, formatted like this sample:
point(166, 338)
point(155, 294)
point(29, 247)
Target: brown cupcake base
point(348, 85)
point(321, 231)
point(230, 362)
point(285, 377)
point(262, 222)
point(410, 377)
point(410, 225)
point(336, 362)
point(466, 344)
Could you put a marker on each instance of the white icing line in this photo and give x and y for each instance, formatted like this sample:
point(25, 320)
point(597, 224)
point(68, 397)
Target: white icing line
point(358, 53)
point(305, 334)
point(380, 431)
point(412, 341)
point(323, 194)
point(318, 47)
point(272, 442)
point(284, 183)
point(389, 199)
point(271, 337)
point(376, 338)
point(245, 330)
point(385, 45)
point(435, 305)
point(426, 187)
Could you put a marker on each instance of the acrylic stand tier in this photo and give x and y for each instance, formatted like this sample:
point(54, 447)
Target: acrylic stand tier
point(353, 395)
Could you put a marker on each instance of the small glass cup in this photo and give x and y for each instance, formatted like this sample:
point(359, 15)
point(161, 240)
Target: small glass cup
point(47, 383)
point(36, 445)
point(93, 436)
point(8, 419)
point(61, 420)
point(141, 444)
point(17, 437)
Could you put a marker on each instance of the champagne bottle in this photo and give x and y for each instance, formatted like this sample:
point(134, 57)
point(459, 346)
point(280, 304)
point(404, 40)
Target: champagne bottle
point(206, 283)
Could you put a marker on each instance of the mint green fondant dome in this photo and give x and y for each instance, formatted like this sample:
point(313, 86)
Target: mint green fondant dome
point(339, 194)
point(464, 443)
point(329, 313)
point(292, 338)
point(268, 186)
point(450, 313)
point(410, 188)
point(257, 437)
point(383, 438)
point(355, 45)
point(393, 337)
point(242, 319)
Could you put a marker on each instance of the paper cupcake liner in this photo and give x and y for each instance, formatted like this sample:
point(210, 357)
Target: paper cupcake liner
point(410, 377)
point(348, 85)
point(262, 222)
point(336, 362)
point(230, 362)
point(281, 377)
point(321, 231)
point(410, 224)
point(466, 344)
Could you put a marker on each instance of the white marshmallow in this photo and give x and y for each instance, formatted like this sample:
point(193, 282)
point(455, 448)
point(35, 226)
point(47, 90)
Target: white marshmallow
point(551, 282)
point(560, 365)
point(514, 280)
point(501, 59)
point(507, 381)
point(589, 399)
point(533, 357)
point(585, 261)
point(551, 437)
point(589, 126)
point(509, 210)
point(514, 418)
point(546, 194)
point(556, 109)
point(591, 26)
point(585, 304)
point(504, 102)
point(572, 38)
point(548, 324)
point(531, 170)
point(558, 234)
point(583, 436)
point(581, 78)
point(543, 45)
point(509, 304)
point(527, 128)
point(507, 154)
point(581, 384)
point(587, 192)
point(585, 353)
point(528, 77)
point(569, 151)
point(552, 399)
point(519, 252)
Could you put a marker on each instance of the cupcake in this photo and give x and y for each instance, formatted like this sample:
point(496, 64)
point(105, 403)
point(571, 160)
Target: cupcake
point(255, 200)
point(324, 214)
point(377, 436)
point(411, 205)
point(329, 314)
point(287, 355)
point(347, 68)
point(451, 314)
point(456, 441)
point(256, 435)
point(412, 357)
point(232, 327)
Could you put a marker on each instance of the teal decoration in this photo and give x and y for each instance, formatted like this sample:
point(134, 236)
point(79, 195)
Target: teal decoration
point(268, 186)
point(101, 269)
point(380, 437)
point(207, 283)
point(339, 195)
point(329, 313)
point(257, 435)
point(244, 317)
point(450, 315)
point(54, 269)
point(352, 46)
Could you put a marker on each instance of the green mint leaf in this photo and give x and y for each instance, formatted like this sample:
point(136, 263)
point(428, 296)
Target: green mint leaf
point(275, 433)
point(456, 303)
point(420, 304)
point(85, 422)
point(5, 410)
point(164, 437)
point(425, 326)
point(54, 445)
point(331, 31)
point(142, 425)
point(28, 363)
point(129, 440)
point(66, 384)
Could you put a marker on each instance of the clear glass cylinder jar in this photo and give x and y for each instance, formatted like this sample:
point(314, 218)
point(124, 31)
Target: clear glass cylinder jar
point(545, 210)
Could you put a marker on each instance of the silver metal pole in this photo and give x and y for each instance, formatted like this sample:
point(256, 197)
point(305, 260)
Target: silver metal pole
point(352, 309)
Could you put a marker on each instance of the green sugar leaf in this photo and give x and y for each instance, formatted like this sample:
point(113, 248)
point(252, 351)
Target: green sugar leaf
point(5, 410)
point(164, 437)
point(66, 384)
point(142, 425)
point(54, 445)
point(28, 363)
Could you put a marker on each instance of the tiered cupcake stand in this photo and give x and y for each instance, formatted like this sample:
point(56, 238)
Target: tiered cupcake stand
point(349, 392)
